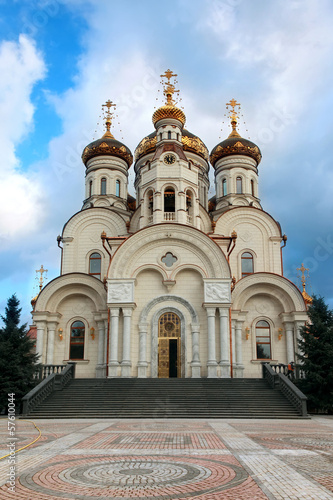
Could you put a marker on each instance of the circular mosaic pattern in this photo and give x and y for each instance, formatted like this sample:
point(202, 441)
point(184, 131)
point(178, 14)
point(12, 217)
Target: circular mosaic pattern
point(151, 477)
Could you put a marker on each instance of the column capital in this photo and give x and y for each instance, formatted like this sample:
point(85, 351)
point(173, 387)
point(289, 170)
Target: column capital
point(195, 328)
point(127, 311)
point(211, 311)
point(114, 311)
point(223, 311)
point(288, 325)
point(143, 327)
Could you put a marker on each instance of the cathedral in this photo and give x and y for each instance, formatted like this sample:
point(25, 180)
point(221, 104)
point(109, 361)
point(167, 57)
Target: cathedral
point(170, 283)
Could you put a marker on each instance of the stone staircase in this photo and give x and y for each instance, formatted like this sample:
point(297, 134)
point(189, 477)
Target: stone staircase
point(166, 398)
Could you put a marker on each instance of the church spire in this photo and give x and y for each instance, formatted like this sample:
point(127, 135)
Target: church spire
point(108, 116)
point(233, 117)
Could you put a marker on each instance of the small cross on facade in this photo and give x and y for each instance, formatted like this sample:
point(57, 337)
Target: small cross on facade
point(41, 271)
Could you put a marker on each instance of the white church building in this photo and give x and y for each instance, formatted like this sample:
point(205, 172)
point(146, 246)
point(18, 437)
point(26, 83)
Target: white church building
point(170, 284)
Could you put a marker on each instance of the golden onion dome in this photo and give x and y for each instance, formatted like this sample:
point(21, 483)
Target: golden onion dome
point(235, 144)
point(107, 146)
point(169, 111)
point(190, 142)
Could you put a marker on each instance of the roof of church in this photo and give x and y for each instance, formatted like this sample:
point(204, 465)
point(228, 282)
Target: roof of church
point(107, 145)
point(235, 145)
point(190, 142)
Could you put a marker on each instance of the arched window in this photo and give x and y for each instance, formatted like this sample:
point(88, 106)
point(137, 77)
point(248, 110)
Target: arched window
point(117, 188)
point(252, 187)
point(224, 187)
point(76, 350)
point(169, 134)
point(247, 264)
point(169, 200)
point(103, 185)
point(90, 188)
point(150, 198)
point(95, 265)
point(263, 340)
point(239, 187)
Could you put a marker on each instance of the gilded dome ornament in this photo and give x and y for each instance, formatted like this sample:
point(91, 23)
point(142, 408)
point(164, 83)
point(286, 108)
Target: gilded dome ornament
point(107, 145)
point(169, 110)
point(235, 144)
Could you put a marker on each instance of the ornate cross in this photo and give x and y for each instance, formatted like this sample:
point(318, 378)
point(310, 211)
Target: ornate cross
point(169, 89)
point(41, 279)
point(108, 116)
point(303, 278)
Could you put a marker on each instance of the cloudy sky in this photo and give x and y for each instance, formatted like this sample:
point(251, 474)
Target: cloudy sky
point(61, 59)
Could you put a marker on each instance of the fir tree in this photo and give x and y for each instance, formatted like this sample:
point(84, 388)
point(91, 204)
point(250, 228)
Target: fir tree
point(17, 360)
point(316, 356)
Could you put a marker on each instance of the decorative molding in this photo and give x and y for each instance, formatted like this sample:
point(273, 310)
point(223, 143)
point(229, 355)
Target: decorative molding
point(120, 291)
point(217, 292)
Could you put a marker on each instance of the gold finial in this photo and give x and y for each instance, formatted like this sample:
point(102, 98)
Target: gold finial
point(306, 296)
point(233, 116)
point(108, 118)
point(169, 88)
point(41, 279)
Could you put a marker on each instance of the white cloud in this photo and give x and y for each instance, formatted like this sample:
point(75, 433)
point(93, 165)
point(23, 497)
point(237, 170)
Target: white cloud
point(21, 66)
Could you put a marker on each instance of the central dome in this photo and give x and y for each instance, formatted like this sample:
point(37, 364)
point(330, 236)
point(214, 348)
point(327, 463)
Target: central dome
point(190, 142)
point(169, 111)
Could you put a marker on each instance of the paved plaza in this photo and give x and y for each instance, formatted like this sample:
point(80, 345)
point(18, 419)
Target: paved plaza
point(170, 459)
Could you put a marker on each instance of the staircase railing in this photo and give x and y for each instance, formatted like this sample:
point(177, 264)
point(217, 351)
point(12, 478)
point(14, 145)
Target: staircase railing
point(44, 371)
point(269, 374)
point(53, 382)
point(293, 394)
point(295, 373)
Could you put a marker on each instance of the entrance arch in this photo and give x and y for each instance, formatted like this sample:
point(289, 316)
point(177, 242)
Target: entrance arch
point(169, 345)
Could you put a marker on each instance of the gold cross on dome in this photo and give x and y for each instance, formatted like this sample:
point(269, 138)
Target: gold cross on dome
point(109, 104)
point(41, 279)
point(303, 278)
point(168, 74)
point(108, 115)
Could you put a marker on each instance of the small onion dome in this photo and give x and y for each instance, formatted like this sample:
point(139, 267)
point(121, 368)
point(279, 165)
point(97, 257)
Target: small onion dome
point(33, 301)
point(190, 142)
point(169, 111)
point(307, 297)
point(235, 145)
point(109, 146)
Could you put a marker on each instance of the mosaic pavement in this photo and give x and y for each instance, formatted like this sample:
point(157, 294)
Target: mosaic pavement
point(171, 459)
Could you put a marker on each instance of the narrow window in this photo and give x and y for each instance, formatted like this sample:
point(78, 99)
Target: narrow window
point(224, 187)
point(76, 350)
point(117, 188)
point(252, 187)
point(169, 200)
point(247, 264)
point(239, 187)
point(90, 189)
point(103, 185)
point(263, 340)
point(95, 265)
point(169, 134)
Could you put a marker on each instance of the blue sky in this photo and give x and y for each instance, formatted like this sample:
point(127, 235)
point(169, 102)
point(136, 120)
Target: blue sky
point(60, 60)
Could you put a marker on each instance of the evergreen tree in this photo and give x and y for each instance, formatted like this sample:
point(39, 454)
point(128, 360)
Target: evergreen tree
point(316, 356)
point(17, 360)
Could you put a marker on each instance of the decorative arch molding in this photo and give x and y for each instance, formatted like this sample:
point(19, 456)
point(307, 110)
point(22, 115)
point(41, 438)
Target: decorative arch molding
point(265, 222)
point(185, 267)
point(92, 216)
point(177, 305)
point(148, 267)
point(136, 249)
point(67, 285)
point(271, 284)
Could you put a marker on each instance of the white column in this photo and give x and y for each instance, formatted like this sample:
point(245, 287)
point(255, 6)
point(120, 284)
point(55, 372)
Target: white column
point(126, 362)
point(142, 364)
point(113, 346)
point(239, 368)
point(100, 368)
point(224, 342)
point(233, 342)
point(50, 343)
point(195, 363)
point(290, 342)
point(211, 363)
point(40, 341)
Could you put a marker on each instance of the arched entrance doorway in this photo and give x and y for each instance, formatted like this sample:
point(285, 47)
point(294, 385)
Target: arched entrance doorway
point(169, 346)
